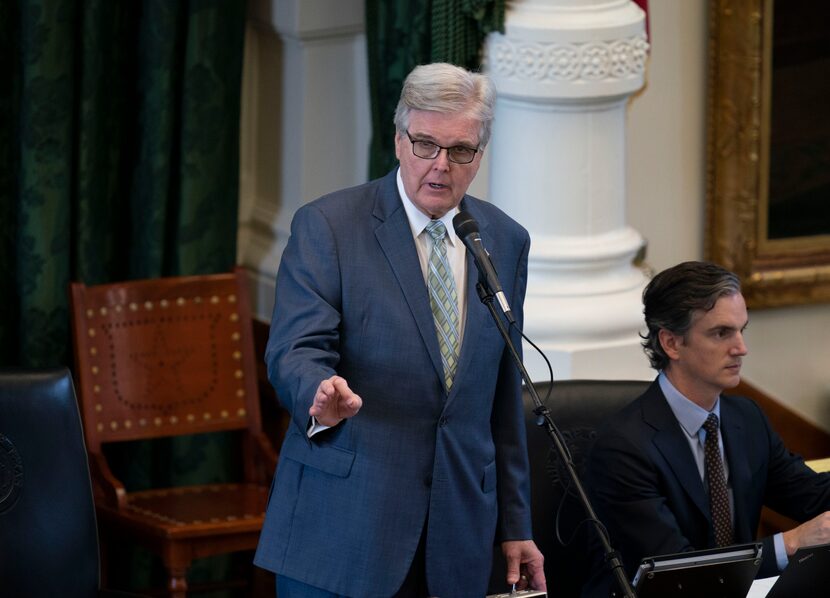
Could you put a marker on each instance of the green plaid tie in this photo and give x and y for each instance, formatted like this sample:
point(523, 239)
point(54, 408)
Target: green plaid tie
point(443, 299)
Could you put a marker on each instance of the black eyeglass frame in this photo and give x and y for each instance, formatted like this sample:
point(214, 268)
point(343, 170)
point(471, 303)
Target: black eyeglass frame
point(441, 147)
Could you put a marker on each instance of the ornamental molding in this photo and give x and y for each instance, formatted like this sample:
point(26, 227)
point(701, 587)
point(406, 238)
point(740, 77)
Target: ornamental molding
point(558, 62)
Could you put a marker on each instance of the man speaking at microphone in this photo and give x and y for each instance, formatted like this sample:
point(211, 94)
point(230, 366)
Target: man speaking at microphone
point(405, 460)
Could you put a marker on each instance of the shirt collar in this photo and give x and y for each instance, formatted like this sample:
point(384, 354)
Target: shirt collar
point(418, 220)
point(688, 414)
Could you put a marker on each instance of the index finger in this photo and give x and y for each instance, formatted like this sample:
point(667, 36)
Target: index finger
point(340, 385)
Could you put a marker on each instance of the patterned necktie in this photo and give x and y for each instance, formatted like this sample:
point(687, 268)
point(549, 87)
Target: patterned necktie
point(718, 496)
point(443, 300)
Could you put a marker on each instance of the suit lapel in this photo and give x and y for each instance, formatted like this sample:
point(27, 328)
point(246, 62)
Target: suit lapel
point(394, 236)
point(671, 441)
point(476, 319)
point(734, 447)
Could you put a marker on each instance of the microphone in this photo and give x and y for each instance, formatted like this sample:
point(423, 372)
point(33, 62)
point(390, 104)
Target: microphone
point(466, 228)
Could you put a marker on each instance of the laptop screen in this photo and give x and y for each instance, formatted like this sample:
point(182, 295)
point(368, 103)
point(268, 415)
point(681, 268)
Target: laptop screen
point(807, 574)
point(714, 573)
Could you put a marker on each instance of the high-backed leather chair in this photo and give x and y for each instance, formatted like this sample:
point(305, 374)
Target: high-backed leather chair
point(577, 407)
point(48, 536)
point(166, 357)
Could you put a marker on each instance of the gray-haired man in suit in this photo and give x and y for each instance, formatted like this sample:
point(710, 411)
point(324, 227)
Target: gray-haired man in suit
point(406, 458)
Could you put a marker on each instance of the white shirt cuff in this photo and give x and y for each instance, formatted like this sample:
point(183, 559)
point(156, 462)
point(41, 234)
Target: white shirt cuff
point(314, 426)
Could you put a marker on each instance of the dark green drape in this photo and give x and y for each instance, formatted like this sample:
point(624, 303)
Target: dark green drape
point(118, 152)
point(119, 145)
point(402, 34)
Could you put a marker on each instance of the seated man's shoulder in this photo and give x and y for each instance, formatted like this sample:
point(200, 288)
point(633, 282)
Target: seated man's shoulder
point(744, 407)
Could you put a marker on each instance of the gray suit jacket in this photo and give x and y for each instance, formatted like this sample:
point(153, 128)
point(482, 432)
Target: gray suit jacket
point(349, 506)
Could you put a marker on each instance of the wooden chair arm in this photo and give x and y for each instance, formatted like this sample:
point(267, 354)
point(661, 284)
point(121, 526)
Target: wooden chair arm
point(105, 486)
point(266, 457)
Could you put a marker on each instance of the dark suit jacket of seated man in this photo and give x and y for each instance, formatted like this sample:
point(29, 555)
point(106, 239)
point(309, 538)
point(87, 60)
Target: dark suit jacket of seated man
point(646, 472)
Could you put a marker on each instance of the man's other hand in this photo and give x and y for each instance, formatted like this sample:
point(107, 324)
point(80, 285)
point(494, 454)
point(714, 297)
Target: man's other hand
point(525, 565)
point(815, 531)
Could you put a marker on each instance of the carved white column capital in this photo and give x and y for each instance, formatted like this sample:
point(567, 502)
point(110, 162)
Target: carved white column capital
point(564, 70)
point(569, 50)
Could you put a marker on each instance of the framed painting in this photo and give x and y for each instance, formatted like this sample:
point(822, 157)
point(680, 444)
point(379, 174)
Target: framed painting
point(768, 148)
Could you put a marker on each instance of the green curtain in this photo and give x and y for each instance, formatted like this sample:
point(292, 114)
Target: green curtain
point(119, 153)
point(402, 34)
point(119, 145)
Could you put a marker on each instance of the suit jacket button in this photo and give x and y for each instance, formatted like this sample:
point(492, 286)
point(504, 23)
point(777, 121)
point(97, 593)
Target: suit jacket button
point(428, 480)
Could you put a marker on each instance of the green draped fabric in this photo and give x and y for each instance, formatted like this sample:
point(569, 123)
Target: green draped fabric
point(402, 34)
point(119, 145)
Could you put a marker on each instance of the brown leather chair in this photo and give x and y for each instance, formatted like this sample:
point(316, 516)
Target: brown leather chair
point(48, 535)
point(578, 408)
point(166, 357)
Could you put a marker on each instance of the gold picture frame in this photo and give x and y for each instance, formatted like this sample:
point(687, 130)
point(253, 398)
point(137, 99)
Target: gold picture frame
point(774, 271)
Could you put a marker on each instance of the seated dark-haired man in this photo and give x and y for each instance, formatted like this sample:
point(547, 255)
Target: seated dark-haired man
point(684, 467)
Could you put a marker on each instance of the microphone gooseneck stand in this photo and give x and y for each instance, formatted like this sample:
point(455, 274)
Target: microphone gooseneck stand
point(612, 557)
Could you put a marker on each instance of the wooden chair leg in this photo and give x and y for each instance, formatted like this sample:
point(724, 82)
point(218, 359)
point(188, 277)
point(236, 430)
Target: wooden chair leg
point(177, 581)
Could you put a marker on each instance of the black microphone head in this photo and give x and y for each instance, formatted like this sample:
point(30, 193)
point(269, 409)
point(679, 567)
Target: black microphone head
point(464, 224)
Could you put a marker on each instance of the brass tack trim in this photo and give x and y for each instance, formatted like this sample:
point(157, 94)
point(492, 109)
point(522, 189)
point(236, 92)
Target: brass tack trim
point(241, 412)
point(96, 389)
point(91, 332)
point(180, 301)
point(114, 425)
point(206, 415)
point(240, 392)
point(157, 421)
point(224, 414)
point(231, 298)
point(174, 419)
point(191, 417)
point(103, 311)
point(93, 351)
point(128, 424)
point(235, 336)
point(214, 299)
point(234, 317)
point(100, 427)
point(90, 313)
point(148, 305)
point(99, 407)
point(133, 306)
point(142, 422)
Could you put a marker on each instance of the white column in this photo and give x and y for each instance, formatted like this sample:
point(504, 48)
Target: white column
point(564, 70)
point(305, 122)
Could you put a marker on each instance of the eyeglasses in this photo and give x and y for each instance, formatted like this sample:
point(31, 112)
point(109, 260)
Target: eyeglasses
point(428, 150)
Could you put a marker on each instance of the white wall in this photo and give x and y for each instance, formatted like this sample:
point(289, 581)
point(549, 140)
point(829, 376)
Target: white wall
point(789, 354)
point(789, 351)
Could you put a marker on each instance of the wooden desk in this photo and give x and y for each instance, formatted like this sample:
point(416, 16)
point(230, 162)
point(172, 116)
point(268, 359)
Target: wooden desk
point(819, 465)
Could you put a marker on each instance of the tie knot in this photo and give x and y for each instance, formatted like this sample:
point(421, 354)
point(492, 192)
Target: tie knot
point(711, 424)
point(436, 230)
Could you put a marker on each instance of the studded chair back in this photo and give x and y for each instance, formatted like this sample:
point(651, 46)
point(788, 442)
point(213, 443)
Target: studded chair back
point(166, 357)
